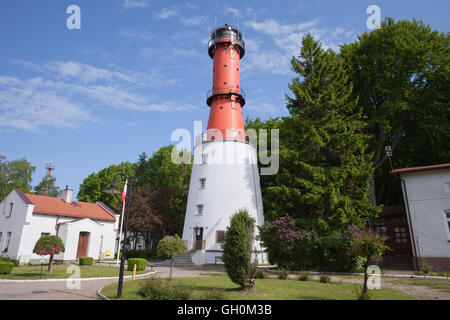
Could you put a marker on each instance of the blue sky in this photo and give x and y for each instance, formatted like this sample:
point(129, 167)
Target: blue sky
point(138, 69)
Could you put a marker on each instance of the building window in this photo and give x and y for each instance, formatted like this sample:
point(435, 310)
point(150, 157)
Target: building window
point(199, 209)
point(44, 234)
point(10, 209)
point(204, 158)
point(379, 226)
point(202, 182)
point(400, 235)
point(220, 236)
point(7, 240)
point(447, 219)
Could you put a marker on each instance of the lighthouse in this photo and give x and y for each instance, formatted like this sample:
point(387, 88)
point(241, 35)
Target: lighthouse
point(224, 176)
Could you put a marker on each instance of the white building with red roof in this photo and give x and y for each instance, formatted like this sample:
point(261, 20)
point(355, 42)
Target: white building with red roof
point(87, 229)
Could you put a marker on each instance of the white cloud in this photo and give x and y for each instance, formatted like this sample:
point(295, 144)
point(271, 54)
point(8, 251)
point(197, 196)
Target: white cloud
point(77, 94)
point(286, 41)
point(129, 4)
point(166, 13)
point(193, 21)
point(141, 35)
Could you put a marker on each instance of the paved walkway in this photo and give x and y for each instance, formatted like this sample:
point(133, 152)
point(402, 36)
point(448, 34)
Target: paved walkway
point(88, 289)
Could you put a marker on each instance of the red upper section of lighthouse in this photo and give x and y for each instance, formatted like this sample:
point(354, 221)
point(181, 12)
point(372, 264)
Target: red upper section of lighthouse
point(226, 98)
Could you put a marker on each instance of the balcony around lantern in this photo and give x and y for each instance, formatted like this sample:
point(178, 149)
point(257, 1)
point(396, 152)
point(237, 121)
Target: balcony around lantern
point(225, 91)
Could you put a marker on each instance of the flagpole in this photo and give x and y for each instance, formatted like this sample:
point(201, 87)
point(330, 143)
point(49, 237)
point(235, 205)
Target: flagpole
point(120, 231)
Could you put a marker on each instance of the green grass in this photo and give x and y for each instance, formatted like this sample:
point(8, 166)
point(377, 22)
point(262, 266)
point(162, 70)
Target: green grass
point(265, 289)
point(60, 272)
point(430, 283)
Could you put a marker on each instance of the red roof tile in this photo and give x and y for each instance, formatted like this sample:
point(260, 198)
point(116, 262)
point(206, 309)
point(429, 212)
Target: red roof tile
point(76, 209)
point(426, 168)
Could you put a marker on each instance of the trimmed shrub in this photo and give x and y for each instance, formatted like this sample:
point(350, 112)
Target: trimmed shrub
point(324, 278)
point(304, 276)
point(140, 264)
point(85, 261)
point(157, 289)
point(237, 249)
point(5, 259)
point(283, 275)
point(260, 274)
point(6, 267)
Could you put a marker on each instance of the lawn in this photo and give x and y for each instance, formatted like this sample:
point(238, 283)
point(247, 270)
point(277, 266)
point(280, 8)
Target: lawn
point(265, 289)
point(430, 283)
point(60, 272)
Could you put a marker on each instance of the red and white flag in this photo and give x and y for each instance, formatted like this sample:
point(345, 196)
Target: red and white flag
point(124, 192)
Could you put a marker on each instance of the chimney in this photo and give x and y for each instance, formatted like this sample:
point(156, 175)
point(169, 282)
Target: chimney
point(67, 195)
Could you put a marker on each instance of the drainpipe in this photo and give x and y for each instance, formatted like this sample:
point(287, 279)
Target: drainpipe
point(416, 256)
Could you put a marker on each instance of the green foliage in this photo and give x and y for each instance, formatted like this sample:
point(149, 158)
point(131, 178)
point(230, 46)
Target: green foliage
point(324, 165)
point(15, 174)
point(93, 187)
point(49, 245)
point(85, 261)
point(6, 267)
point(426, 268)
point(214, 294)
point(137, 254)
point(260, 274)
point(324, 278)
point(237, 248)
point(157, 289)
point(304, 276)
point(169, 246)
point(47, 187)
point(140, 264)
point(400, 74)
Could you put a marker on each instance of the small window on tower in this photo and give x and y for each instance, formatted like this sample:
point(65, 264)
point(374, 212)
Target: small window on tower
point(225, 83)
point(225, 65)
point(204, 158)
point(202, 182)
point(199, 209)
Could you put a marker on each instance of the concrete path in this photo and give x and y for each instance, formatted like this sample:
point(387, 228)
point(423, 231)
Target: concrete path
point(88, 289)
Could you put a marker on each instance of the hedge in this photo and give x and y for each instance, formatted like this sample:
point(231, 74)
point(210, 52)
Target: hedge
point(6, 267)
point(86, 261)
point(140, 264)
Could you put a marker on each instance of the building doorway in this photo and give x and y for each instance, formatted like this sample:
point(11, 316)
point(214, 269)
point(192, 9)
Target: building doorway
point(83, 241)
point(198, 236)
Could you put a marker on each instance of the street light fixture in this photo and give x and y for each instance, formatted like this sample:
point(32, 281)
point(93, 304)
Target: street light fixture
point(388, 150)
point(113, 190)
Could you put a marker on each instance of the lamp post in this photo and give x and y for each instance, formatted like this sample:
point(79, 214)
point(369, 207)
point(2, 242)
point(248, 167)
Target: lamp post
point(113, 190)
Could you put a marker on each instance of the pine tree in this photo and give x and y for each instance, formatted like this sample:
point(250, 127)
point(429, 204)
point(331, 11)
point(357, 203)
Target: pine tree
point(47, 187)
point(324, 171)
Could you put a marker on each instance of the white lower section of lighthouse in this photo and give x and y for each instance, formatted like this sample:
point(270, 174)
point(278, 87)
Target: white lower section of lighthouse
point(224, 179)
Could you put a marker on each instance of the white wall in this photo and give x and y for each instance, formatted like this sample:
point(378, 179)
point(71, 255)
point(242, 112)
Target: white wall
point(428, 195)
point(14, 223)
point(229, 187)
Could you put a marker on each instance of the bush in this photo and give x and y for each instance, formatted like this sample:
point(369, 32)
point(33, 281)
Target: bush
point(6, 267)
point(85, 261)
point(426, 268)
point(137, 254)
point(157, 289)
point(304, 276)
point(16, 262)
point(283, 275)
point(140, 264)
point(259, 274)
point(324, 278)
point(5, 259)
point(237, 249)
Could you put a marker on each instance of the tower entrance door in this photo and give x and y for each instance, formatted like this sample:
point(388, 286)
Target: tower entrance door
point(198, 236)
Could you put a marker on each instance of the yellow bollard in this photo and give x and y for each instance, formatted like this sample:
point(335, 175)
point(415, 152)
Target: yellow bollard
point(134, 271)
